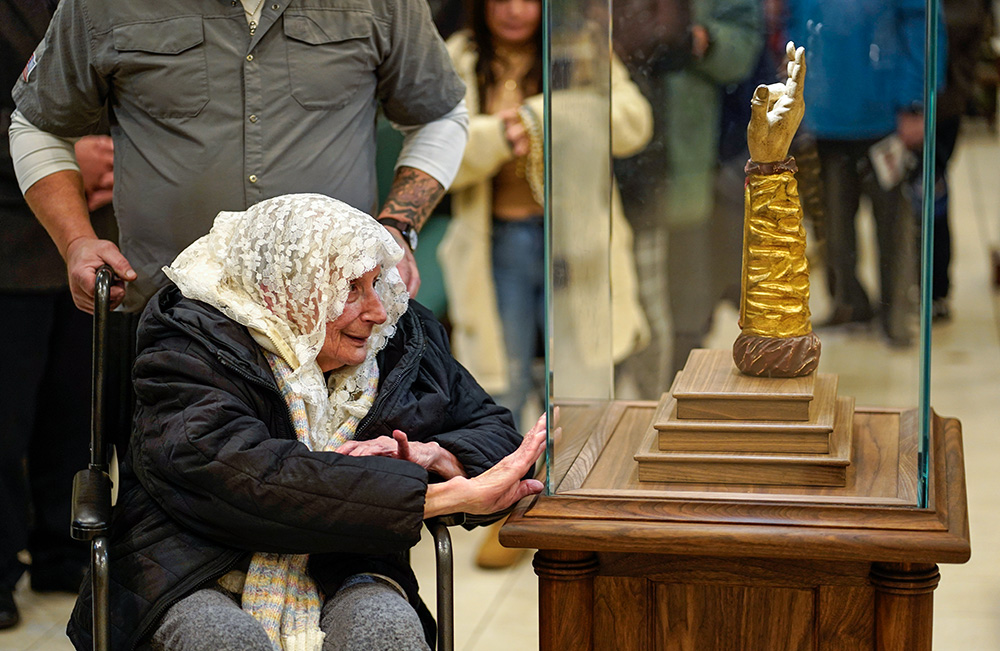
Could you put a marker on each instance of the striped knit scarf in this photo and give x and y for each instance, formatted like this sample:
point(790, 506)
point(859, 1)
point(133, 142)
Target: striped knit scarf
point(279, 592)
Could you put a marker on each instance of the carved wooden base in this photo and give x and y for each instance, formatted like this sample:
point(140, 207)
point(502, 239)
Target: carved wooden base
point(717, 426)
point(777, 356)
point(634, 602)
point(636, 566)
point(904, 604)
point(711, 388)
point(753, 468)
point(565, 587)
point(749, 435)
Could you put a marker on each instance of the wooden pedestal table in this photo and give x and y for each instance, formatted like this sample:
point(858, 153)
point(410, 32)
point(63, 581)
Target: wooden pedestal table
point(624, 564)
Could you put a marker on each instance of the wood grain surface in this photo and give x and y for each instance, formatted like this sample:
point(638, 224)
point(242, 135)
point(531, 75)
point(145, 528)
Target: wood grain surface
point(827, 468)
point(711, 387)
point(707, 435)
point(600, 504)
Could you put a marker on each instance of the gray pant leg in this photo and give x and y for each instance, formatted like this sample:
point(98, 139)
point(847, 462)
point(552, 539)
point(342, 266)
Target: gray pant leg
point(691, 292)
point(209, 620)
point(369, 615)
point(651, 366)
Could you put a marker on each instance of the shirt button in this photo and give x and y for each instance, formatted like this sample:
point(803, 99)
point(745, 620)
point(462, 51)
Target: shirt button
point(275, 7)
point(253, 118)
point(233, 3)
point(253, 178)
point(249, 57)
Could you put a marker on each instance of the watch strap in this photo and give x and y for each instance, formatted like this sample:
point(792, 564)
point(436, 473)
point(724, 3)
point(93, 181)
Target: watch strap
point(406, 228)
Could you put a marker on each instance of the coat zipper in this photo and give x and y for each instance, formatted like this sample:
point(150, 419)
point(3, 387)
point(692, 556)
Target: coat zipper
point(223, 356)
point(387, 389)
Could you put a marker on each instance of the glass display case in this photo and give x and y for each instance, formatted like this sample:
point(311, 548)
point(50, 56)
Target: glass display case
point(709, 485)
point(647, 105)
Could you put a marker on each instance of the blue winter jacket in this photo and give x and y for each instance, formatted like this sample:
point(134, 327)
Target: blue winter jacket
point(864, 63)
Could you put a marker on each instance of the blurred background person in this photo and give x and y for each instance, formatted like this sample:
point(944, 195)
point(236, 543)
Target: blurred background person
point(501, 280)
point(492, 255)
point(966, 25)
point(864, 88)
point(45, 392)
point(494, 245)
point(668, 189)
point(448, 16)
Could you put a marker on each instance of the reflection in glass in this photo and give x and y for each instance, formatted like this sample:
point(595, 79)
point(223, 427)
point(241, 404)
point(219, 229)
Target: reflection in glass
point(596, 319)
point(697, 62)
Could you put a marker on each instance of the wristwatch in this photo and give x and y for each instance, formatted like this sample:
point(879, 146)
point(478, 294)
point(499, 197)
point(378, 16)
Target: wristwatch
point(406, 228)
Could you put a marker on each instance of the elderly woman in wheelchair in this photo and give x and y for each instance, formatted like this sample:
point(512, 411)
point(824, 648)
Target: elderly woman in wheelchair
point(297, 418)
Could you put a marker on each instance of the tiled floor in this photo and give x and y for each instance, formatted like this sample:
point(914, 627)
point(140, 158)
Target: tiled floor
point(496, 611)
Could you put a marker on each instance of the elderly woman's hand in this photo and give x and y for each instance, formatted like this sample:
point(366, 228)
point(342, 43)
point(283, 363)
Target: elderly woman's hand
point(497, 488)
point(431, 456)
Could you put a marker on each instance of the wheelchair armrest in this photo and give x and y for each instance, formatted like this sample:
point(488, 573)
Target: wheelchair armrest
point(91, 504)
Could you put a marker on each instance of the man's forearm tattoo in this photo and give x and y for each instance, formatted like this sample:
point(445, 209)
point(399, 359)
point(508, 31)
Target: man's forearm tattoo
point(412, 197)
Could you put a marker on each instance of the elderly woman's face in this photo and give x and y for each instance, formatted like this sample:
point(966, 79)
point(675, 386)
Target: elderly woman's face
point(347, 337)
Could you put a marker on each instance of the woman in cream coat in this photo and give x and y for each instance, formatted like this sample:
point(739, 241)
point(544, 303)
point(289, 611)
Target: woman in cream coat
point(466, 251)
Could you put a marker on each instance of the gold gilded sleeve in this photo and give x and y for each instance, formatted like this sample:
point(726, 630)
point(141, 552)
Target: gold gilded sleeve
point(775, 297)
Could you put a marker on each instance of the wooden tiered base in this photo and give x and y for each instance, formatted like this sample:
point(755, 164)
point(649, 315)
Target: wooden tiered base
point(648, 566)
point(718, 426)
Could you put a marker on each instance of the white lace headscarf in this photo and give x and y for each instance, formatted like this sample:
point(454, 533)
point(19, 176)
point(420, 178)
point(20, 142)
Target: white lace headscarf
point(283, 269)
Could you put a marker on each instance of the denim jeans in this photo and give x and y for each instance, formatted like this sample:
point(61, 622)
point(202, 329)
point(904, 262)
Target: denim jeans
point(519, 276)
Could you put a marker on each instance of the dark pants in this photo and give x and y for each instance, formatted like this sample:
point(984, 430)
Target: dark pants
point(846, 175)
point(947, 137)
point(44, 428)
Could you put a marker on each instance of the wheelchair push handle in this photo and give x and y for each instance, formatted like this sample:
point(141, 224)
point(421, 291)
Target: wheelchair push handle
point(99, 389)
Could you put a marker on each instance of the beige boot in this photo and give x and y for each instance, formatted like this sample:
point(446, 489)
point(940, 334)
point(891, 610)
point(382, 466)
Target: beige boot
point(494, 556)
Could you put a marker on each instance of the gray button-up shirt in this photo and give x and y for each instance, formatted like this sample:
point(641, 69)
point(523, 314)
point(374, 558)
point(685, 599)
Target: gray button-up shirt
point(210, 118)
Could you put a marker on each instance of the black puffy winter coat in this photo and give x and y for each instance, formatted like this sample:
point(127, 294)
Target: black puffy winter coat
point(214, 472)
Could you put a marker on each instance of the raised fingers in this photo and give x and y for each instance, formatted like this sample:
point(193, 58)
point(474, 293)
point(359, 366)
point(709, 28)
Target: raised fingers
point(531, 448)
point(796, 69)
point(402, 443)
point(539, 424)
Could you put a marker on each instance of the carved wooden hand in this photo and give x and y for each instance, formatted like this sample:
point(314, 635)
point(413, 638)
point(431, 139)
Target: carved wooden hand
point(776, 111)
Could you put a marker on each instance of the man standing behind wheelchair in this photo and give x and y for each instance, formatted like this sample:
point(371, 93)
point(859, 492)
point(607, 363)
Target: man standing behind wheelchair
point(297, 419)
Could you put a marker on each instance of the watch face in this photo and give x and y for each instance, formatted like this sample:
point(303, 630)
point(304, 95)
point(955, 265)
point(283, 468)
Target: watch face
point(408, 232)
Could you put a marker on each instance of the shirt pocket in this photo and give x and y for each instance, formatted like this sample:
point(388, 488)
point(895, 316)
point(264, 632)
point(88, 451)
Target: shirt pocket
point(330, 57)
point(162, 66)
